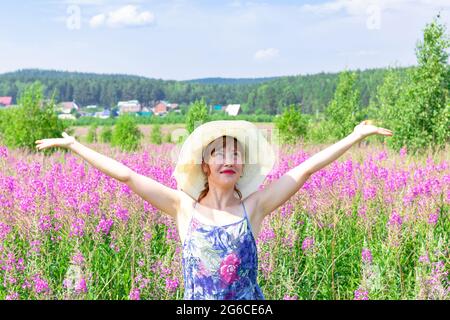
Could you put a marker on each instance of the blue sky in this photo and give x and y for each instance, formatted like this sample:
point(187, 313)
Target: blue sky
point(189, 39)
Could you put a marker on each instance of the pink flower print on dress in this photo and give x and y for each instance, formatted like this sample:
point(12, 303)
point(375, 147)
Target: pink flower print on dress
point(202, 271)
point(229, 268)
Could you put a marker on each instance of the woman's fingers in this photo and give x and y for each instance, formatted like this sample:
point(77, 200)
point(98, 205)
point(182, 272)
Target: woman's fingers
point(385, 131)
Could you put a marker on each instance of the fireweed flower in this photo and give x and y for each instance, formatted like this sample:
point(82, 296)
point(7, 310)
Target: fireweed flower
point(122, 214)
point(77, 228)
point(78, 259)
point(20, 265)
point(40, 285)
point(35, 246)
point(437, 282)
point(172, 233)
point(366, 255)
point(287, 209)
point(135, 294)
point(104, 226)
point(3, 152)
point(307, 244)
point(4, 231)
point(369, 192)
point(266, 235)
point(81, 286)
point(12, 296)
point(171, 284)
point(288, 297)
point(433, 218)
point(362, 211)
point(403, 152)
point(395, 219)
point(289, 240)
point(45, 223)
point(85, 207)
point(141, 282)
point(26, 284)
point(147, 236)
point(361, 294)
point(138, 278)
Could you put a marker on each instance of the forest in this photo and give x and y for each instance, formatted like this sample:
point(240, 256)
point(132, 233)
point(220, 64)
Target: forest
point(258, 95)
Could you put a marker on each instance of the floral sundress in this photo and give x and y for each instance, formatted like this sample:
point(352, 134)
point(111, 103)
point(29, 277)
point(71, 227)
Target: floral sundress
point(220, 262)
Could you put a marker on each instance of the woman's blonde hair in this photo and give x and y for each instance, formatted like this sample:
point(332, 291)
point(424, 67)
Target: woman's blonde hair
point(205, 191)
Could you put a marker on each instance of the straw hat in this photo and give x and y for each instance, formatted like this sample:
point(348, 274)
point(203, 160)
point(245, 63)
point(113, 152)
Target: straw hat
point(259, 156)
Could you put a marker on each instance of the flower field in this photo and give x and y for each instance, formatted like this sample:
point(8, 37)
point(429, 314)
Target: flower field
point(372, 225)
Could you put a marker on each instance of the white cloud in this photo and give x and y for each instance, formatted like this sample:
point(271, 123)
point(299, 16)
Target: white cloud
point(97, 20)
point(266, 54)
point(127, 16)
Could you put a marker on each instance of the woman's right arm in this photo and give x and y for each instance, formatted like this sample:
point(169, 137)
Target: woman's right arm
point(105, 164)
point(162, 197)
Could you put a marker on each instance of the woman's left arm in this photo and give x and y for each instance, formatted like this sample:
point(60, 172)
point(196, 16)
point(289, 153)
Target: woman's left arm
point(328, 155)
point(279, 191)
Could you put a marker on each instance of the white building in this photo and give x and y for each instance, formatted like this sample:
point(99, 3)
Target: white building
point(66, 107)
point(129, 106)
point(232, 109)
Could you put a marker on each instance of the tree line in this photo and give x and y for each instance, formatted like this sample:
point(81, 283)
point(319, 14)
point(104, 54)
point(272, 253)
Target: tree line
point(256, 96)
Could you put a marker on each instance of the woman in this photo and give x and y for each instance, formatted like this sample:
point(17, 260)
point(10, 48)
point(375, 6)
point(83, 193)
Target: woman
point(218, 206)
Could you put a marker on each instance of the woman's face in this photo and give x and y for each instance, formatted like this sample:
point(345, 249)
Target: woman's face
point(222, 155)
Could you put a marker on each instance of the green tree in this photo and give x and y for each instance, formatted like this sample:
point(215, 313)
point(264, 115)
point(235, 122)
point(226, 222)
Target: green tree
point(155, 135)
point(197, 115)
point(106, 134)
point(92, 133)
point(291, 125)
point(343, 111)
point(34, 118)
point(168, 138)
point(422, 116)
point(126, 134)
point(385, 105)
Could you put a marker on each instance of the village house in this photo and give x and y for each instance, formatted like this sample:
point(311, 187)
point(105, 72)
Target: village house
point(163, 107)
point(231, 109)
point(216, 108)
point(66, 107)
point(129, 106)
point(105, 114)
point(145, 112)
point(5, 101)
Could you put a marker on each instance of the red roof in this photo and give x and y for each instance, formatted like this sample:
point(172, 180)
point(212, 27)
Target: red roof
point(6, 101)
point(160, 107)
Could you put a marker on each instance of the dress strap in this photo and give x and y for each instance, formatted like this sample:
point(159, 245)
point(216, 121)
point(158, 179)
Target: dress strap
point(245, 211)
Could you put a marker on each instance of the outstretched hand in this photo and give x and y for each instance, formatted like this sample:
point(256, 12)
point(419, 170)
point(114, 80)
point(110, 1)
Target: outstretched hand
point(366, 129)
point(55, 142)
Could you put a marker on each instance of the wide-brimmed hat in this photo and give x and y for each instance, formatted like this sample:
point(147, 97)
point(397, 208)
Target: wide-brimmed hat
point(259, 156)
